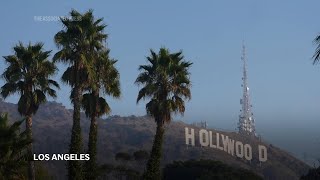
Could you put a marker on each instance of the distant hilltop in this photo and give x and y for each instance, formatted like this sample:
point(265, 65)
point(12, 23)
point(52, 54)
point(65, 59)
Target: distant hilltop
point(53, 122)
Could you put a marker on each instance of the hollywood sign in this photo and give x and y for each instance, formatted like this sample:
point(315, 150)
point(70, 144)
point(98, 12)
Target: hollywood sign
point(225, 143)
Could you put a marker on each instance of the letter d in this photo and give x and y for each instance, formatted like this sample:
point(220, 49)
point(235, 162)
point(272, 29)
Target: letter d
point(262, 153)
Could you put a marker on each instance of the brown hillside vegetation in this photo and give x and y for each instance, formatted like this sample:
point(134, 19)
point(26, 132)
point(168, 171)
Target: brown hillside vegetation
point(52, 126)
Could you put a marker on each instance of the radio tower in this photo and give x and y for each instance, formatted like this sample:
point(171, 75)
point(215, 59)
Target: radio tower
point(246, 121)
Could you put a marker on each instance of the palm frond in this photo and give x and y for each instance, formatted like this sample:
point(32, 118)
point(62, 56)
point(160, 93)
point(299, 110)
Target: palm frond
point(316, 56)
point(28, 74)
point(12, 148)
point(166, 82)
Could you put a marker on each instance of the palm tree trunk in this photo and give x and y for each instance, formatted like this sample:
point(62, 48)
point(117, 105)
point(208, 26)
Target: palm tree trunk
point(153, 166)
point(75, 167)
point(31, 170)
point(91, 165)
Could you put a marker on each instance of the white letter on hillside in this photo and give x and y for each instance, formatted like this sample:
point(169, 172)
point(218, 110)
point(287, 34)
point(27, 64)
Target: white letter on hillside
point(231, 147)
point(218, 143)
point(239, 151)
point(262, 153)
point(247, 152)
point(225, 142)
point(189, 136)
point(211, 139)
point(204, 137)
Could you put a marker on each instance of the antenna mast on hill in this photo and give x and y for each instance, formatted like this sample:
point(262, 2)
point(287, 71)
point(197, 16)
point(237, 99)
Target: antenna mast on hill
point(246, 121)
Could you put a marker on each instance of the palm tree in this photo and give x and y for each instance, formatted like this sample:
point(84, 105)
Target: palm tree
point(316, 56)
point(81, 37)
point(12, 149)
point(166, 83)
point(28, 74)
point(106, 80)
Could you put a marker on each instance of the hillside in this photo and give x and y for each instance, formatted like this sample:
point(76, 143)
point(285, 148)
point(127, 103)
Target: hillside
point(53, 122)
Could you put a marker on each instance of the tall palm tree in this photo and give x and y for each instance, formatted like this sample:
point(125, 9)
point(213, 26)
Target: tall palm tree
point(80, 38)
point(166, 82)
point(28, 75)
point(106, 80)
point(316, 56)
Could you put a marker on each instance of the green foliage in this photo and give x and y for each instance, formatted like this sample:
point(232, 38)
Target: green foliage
point(28, 74)
point(119, 172)
point(81, 45)
point(123, 156)
point(206, 170)
point(129, 174)
point(140, 155)
point(13, 146)
point(153, 166)
point(166, 83)
point(78, 42)
point(42, 172)
point(91, 167)
point(313, 174)
point(316, 56)
point(105, 79)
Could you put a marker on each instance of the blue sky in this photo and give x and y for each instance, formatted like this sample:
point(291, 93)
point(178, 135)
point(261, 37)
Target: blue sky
point(284, 85)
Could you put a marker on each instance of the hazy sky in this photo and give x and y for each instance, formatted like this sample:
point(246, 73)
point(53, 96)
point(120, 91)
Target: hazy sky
point(285, 86)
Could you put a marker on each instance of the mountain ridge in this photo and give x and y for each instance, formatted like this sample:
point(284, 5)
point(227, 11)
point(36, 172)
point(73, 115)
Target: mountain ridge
point(52, 126)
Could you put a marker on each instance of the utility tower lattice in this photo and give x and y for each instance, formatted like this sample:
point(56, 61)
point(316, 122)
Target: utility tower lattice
point(246, 121)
